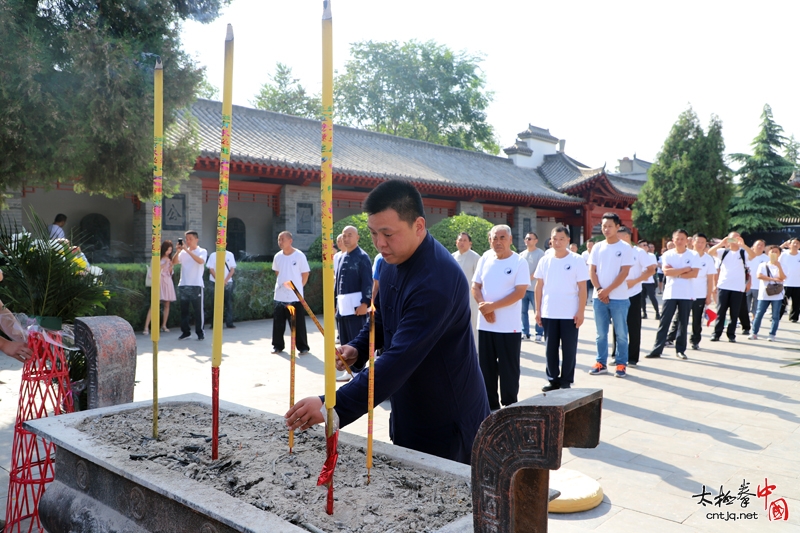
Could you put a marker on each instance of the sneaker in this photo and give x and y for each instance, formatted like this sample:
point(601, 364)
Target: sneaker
point(633, 363)
point(731, 340)
point(538, 339)
point(620, 373)
point(669, 344)
point(652, 355)
point(772, 338)
point(598, 368)
point(230, 326)
point(658, 317)
point(753, 337)
point(303, 352)
point(201, 337)
point(526, 337)
point(715, 339)
point(184, 336)
point(644, 317)
point(746, 332)
point(344, 377)
point(681, 355)
point(275, 350)
point(550, 387)
point(695, 346)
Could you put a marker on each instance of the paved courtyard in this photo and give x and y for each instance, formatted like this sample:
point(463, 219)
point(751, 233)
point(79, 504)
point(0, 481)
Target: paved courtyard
point(728, 415)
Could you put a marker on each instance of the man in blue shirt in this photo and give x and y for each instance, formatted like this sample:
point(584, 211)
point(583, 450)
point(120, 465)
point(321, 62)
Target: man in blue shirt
point(428, 368)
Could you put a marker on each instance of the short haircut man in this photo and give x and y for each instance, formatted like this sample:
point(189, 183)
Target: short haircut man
point(733, 255)
point(501, 280)
point(56, 229)
point(190, 287)
point(532, 255)
point(422, 325)
point(289, 264)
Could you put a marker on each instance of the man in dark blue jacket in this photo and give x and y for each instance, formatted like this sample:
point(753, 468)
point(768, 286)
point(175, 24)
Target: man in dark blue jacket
point(353, 288)
point(429, 367)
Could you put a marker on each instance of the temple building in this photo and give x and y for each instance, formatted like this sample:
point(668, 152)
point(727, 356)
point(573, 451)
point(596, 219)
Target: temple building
point(275, 176)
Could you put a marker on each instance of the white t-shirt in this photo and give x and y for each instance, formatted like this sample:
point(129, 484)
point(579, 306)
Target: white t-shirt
point(653, 261)
point(498, 279)
point(731, 270)
point(585, 256)
point(191, 270)
point(679, 288)
point(641, 261)
point(230, 262)
point(533, 259)
point(791, 267)
point(289, 267)
point(708, 267)
point(561, 278)
point(753, 264)
point(609, 259)
point(765, 269)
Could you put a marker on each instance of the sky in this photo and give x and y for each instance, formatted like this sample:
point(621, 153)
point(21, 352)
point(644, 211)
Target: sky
point(609, 77)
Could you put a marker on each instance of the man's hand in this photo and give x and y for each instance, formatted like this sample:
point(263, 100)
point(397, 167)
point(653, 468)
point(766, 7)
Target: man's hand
point(361, 310)
point(486, 308)
point(708, 299)
point(349, 353)
point(538, 319)
point(578, 318)
point(602, 295)
point(304, 414)
point(16, 350)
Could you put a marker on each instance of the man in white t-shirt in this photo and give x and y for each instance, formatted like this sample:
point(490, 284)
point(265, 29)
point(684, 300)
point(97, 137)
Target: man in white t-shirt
point(560, 301)
point(609, 264)
point(733, 254)
point(649, 285)
point(680, 266)
point(290, 264)
point(702, 287)
point(641, 270)
point(585, 256)
point(467, 259)
point(230, 268)
point(499, 284)
point(753, 264)
point(790, 262)
point(190, 287)
point(532, 255)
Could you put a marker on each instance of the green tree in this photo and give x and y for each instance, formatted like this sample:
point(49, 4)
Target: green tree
point(76, 91)
point(284, 94)
point(688, 186)
point(417, 90)
point(207, 90)
point(792, 152)
point(763, 194)
point(447, 231)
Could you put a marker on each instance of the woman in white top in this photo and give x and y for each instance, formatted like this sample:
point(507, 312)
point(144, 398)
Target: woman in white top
point(769, 273)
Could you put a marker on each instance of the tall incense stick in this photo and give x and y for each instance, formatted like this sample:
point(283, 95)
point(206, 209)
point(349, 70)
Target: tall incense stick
point(326, 187)
point(293, 359)
point(222, 237)
point(371, 388)
point(155, 260)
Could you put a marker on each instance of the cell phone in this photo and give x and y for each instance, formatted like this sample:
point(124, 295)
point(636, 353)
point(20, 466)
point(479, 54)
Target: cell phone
point(180, 242)
point(730, 239)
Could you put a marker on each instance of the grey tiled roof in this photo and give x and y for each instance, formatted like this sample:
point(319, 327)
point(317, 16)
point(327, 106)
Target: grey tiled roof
point(537, 133)
point(563, 172)
point(264, 137)
point(519, 147)
point(629, 184)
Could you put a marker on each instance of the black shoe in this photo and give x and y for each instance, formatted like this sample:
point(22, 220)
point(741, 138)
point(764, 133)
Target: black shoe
point(184, 336)
point(303, 352)
point(658, 317)
point(275, 350)
point(231, 326)
point(746, 332)
point(652, 356)
point(669, 343)
point(732, 340)
point(549, 387)
point(567, 386)
point(201, 337)
point(695, 346)
point(681, 355)
point(633, 363)
point(793, 320)
point(644, 317)
point(715, 339)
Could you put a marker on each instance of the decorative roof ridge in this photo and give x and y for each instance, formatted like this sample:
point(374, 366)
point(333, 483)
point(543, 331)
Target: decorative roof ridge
point(356, 131)
point(519, 147)
point(538, 133)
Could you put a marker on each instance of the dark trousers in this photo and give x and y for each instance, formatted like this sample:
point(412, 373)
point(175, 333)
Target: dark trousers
point(667, 312)
point(744, 315)
point(227, 312)
point(350, 327)
point(792, 293)
point(279, 319)
point(634, 322)
point(698, 314)
point(727, 302)
point(561, 332)
point(191, 297)
point(498, 356)
point(649, 293)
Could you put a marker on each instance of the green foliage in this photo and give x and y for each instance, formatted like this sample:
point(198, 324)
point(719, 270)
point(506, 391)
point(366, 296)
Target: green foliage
point(76, 92)
point(365, 240)
point(763, 194)
point(447, 230)
point(252, 293)
point(47, 278)
point(285, 95)
point(416, 90)
point(792, 153)
point(688, 186)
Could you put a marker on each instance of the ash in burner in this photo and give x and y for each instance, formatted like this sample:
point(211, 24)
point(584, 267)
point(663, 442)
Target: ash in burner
point(255, 466)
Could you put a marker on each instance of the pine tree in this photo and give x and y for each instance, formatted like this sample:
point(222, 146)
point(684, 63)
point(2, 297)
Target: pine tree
point(792, 153)
point(763, 194)
point(688, 186)
point(284, 94)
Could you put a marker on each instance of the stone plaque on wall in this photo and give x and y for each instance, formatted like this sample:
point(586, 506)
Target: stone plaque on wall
point(305, 218)
point(174, 217)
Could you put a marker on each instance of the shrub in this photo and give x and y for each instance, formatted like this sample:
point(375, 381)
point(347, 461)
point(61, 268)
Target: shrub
point(365, 241)
point(446, 231)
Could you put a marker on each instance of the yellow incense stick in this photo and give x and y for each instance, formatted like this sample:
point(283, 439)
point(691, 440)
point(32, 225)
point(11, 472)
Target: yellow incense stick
point(155, 260)
point(326, 187)
point(371, 388)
